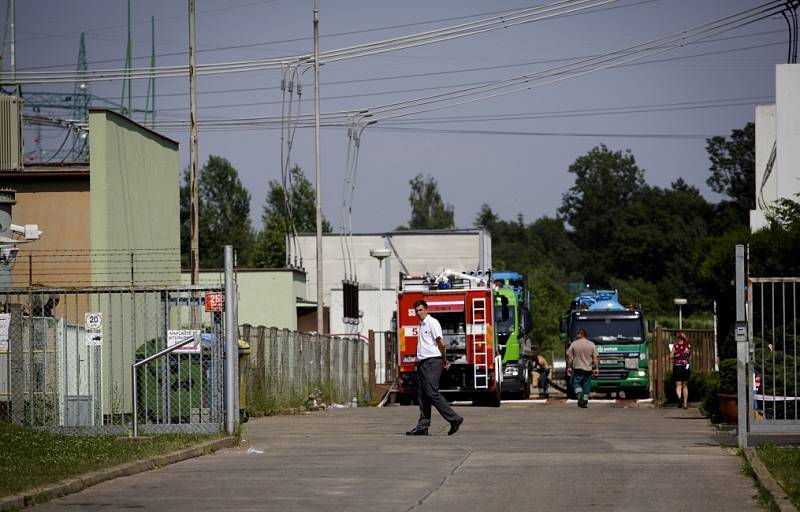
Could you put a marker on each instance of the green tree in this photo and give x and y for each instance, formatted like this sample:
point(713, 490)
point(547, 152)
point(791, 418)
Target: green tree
point(224, 214)
point(733, 164)
point(283, 214)
point(428, 210)
point(606, 184)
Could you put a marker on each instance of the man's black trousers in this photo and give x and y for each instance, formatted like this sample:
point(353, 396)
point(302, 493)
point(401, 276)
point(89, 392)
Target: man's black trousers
point(429, 371)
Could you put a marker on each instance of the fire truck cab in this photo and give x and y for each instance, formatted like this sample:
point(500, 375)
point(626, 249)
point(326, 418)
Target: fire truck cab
point(463, 305)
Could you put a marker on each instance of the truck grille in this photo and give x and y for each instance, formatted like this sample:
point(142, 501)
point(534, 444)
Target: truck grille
point(612, 374)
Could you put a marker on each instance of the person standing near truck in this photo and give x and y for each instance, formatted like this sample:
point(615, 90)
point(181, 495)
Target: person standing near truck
point(431, 360)
point(581, 355)
point(542, 367)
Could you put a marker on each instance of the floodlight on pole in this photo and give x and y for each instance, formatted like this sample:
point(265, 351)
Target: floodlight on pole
point(680, 303)
point(380, 255)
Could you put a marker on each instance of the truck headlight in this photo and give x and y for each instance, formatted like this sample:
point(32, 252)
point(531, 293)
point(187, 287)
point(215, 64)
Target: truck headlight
point(631, 363)
point(511, 371)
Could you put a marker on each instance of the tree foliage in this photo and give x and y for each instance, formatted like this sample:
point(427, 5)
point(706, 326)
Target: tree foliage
point(224, 214)
point(286, 210)
point(733, 164)
point(606, 184)
point(428, 210)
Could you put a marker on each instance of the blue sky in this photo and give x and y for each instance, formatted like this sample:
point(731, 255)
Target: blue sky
point(522, 170)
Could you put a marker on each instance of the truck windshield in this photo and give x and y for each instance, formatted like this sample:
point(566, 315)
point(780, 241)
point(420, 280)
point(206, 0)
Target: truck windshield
point(606, 330)
point(504, 319)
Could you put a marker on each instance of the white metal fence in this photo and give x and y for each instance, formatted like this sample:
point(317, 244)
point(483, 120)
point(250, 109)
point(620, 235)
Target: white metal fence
point(773, 355)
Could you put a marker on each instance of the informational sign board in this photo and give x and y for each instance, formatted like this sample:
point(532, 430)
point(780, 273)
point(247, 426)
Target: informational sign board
point(93, 323)
point(175, 336)
point(215, 301)
point(5, 324)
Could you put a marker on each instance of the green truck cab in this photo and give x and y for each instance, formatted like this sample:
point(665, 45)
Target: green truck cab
point(512, 326)
point(620, 336)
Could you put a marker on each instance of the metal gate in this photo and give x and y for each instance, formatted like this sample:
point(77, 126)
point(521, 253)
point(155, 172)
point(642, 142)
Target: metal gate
point(773, 351)
point(67, 356)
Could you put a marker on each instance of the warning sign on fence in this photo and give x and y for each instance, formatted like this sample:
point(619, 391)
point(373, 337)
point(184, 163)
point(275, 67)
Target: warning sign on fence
point(215, 301)
point(175, 336)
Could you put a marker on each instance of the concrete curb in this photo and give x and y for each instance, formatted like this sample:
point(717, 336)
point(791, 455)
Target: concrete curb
point(765, 478)
point(71, 485)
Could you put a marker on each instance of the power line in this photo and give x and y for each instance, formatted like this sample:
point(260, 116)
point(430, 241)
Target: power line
point(525, 16)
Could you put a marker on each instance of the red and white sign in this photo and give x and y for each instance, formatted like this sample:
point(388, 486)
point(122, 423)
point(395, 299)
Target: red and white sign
point(215, 301)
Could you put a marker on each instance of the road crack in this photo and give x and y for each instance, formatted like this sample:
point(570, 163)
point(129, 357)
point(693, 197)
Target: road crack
point(441, 484)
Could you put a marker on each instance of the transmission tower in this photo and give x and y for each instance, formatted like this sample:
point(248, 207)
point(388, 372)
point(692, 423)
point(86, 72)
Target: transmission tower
point(80, 107)
point(127, 83)
point(150, 103)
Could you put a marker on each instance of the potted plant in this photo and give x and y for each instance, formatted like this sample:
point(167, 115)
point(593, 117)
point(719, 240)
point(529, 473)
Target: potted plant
point(727, 391)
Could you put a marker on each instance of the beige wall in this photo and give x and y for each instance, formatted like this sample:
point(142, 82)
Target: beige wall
point(61, 209)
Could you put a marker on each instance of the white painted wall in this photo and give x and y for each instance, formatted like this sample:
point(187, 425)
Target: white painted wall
point(780, 122)
point(787, 117)
point(420, 251)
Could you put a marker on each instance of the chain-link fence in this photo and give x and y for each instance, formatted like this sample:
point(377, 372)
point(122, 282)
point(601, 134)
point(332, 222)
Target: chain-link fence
point(286, 368)
point(67, 356)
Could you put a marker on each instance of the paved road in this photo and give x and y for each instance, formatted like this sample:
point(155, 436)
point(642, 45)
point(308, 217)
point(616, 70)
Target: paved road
point(520, 457)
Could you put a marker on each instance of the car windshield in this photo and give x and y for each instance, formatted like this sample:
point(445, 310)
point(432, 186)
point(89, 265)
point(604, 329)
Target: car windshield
point(504, 319)
point(606, 330)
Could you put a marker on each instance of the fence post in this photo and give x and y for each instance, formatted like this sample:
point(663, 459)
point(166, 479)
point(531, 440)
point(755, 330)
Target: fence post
point(658, 342)
point(231, 345)
point(16, 364)
point(741, 348)
point(371, 366)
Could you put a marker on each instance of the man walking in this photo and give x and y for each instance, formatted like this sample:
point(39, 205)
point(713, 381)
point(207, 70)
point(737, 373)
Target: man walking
point(581, 354)
point(431, 360)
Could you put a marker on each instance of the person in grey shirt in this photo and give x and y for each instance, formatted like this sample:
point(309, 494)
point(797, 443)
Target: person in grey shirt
point(581, 354)
point(431, 360)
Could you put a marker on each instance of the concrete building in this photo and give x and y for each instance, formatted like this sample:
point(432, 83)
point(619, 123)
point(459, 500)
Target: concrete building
point(124, 199)
point(778, 145)
point(272, 297)
point(411, 252)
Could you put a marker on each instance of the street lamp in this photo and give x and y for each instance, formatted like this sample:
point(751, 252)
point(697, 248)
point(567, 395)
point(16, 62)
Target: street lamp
point(680, 303)
point(380, 255)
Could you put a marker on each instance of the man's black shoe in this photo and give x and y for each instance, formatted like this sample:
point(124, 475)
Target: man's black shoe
point(454, 426)
point(417, 432)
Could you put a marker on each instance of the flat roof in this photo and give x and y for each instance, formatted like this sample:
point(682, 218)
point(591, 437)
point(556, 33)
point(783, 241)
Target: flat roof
point(45, 170)
point(128, 119)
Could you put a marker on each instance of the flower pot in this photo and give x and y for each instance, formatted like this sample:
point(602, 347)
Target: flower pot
point(728, 410)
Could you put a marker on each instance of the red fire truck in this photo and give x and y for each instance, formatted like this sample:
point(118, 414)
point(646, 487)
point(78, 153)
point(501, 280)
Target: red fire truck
point(463, 305)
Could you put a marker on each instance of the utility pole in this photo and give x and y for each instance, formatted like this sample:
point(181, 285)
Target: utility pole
point(195, 249)
point(318, 201)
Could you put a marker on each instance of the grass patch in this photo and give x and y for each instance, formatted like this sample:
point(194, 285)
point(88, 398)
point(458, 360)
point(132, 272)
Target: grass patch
point(763, 496)
point(783, 463)
point(30, 458)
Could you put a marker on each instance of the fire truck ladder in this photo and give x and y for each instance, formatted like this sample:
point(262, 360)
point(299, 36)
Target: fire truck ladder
point(480, 348)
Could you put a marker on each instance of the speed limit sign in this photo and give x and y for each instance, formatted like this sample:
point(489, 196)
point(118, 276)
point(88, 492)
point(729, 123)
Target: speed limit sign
point(94, 321)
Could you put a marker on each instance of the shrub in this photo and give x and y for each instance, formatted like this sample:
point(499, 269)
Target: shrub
point(727, 376)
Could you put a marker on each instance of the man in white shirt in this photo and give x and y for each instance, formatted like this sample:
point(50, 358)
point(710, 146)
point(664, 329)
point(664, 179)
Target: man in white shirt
point(431, 360)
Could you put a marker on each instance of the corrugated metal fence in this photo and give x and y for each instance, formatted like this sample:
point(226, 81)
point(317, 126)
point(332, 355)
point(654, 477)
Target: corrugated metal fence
point(703, 356)
point(284, 368)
